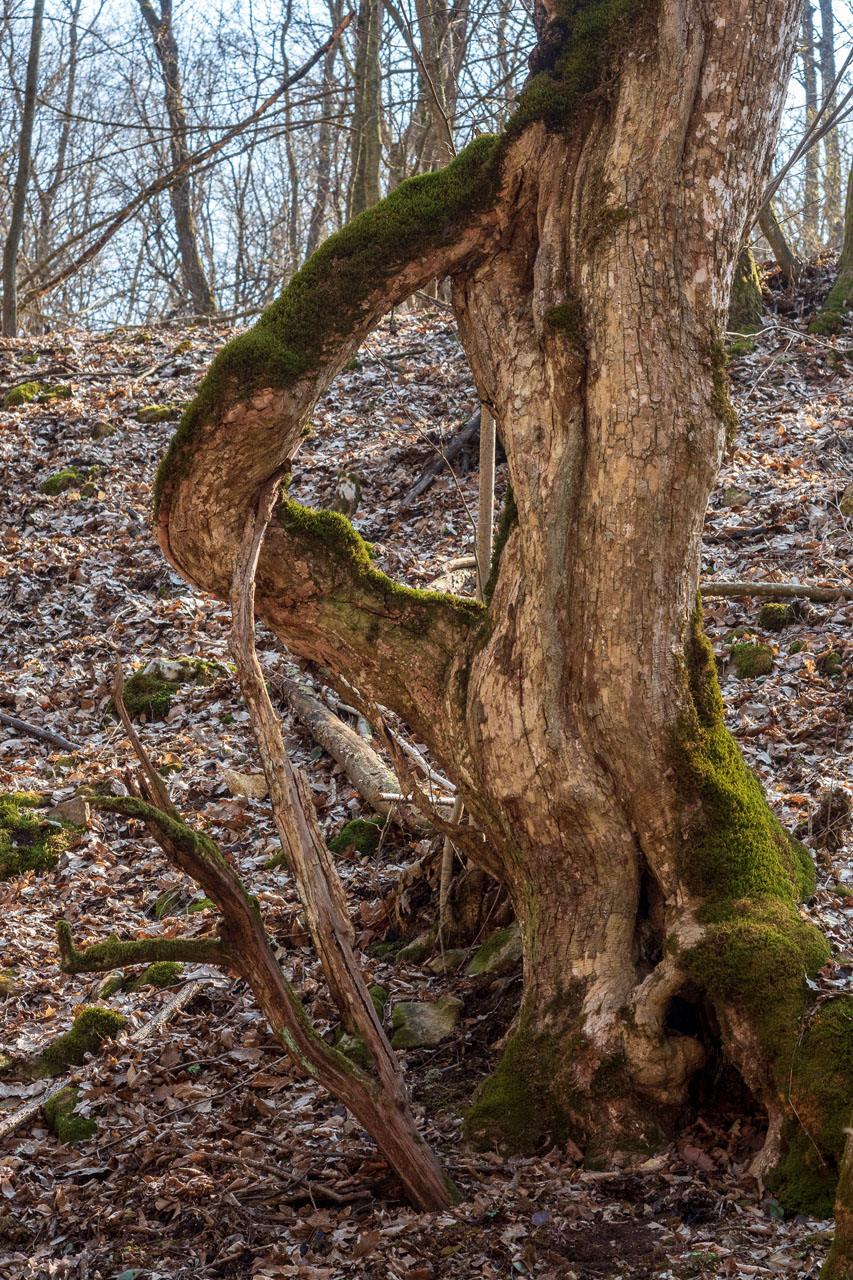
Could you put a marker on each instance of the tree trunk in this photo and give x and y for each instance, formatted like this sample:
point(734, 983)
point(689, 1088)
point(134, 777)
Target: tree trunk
point(832, 215)
point(366, 149)
point(324, 143)
point(790, 264)
point(22, 178)
point(746, 304)
point(592, 248)
point(811, 212)
point(180, 191)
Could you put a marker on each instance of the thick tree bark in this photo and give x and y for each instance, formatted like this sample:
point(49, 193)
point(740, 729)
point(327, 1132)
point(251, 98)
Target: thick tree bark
point(180, 191)
point(22, 178)
point(592, 249)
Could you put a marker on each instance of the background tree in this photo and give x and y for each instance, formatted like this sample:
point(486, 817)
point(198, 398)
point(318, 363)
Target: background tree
point(22, 177)
point(180, 191)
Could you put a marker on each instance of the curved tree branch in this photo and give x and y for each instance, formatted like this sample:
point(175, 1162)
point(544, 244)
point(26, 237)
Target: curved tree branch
point(315, 583)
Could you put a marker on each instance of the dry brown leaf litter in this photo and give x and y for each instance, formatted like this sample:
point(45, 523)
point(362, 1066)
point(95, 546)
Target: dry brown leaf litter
point(213, 1159)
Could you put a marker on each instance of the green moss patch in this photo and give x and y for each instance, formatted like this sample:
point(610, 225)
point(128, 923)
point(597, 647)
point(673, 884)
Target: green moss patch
point(774, 617)
point(750, 660)
point(826, 324)
point(27, 842)
point(160, 975)
point(361, 836)
point(737, 848)
point(149, 692)
point(90, 1028)
point(64, 1124)
point(61, 481)
point(746, 303)
point(508, 521)
point(41, 392)
point(151, 413)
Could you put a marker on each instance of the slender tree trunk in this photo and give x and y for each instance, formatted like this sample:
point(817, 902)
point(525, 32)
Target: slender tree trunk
point(832, 210)
point(791, 265)
point(324, 143)
point(47, 198)
point(578, 713)
point(811, 212)
point(180, 191)
point(366, 146)
point(840, 298)
point(22, 178)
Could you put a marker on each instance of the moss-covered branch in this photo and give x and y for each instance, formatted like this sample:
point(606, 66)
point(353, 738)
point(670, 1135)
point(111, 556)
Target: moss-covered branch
point(115, 954)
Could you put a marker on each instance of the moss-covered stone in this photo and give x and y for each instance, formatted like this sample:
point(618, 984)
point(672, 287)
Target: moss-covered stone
point(28, 842)
point(62, 481)
point(826, 324)
point(361, 836)
point(149, 692)
point(59, 392)
point(64, 1124)
point(20, 395)
point(750, 660)
point(774, 617)
point(499, 954)
point(831, 664)
point(90, 1028)
point(160, 974)
point(151, 413)
point(201, 904)
point(416, 951)
point(797, 646)
point(417, 1024)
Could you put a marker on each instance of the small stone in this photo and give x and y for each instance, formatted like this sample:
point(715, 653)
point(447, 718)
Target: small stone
point(417, 950)
point(251, 785)
point(752, 660)
point(9, 983)
point(419, 1024)
point(158, 413)
point(734, 497)
point(102, 431)
point(347, 493)
point(113, 982)
point(452, 959)
point(500, 954)
point(75, 810)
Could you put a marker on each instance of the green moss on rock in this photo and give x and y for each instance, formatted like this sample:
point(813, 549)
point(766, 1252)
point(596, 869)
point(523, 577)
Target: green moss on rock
point(92, 1025)
point(751, 660)
point(62, 1121)
point(23, 394)
point(774, 617)
point(151, 413)
point(61, 481)
point(361, 835)
point(160, 974)
point(27, 842)
point(826, 324)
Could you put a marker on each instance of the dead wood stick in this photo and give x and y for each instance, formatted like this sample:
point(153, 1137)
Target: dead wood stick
point(155, 782)
point(447, 855)
point(384, 1110)
point(370, 776)
point(143, 1033)
point(448, 452)
point(34, 731)
point(776, 590)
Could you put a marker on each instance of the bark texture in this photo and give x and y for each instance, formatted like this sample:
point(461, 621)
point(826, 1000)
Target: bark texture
point(22, 177)
point(592, 248)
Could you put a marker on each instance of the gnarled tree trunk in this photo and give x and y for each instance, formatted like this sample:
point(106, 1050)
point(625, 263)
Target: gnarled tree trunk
point(591, 249)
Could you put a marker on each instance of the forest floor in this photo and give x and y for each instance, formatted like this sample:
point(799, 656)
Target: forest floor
point(214, 1157)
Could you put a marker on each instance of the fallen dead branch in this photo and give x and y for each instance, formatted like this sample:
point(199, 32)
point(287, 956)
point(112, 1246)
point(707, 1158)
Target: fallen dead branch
point(34, 731)
point(370, 776)
point(777, 590)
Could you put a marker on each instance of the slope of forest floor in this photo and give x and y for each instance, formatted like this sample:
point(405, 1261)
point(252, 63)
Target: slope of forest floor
point(213, 1157)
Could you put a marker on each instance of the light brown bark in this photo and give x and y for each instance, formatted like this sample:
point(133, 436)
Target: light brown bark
point(590, 295)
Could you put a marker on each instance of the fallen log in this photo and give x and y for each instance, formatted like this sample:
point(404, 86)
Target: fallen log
point(370, 776)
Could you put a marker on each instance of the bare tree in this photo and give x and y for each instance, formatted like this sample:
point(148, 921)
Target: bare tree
point(22, 177)
point(180, 192)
